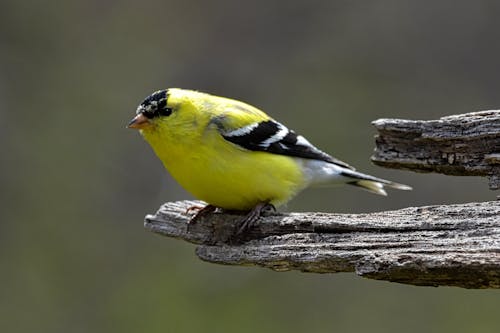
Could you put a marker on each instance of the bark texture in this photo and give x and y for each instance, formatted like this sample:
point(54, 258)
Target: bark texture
point(453, 245)
point(460, 145)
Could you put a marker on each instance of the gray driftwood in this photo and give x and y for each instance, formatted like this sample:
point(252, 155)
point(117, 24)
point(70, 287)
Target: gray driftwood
point(460, 145)
point(455, 245)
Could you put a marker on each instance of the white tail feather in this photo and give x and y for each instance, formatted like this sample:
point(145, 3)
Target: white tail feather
point(374, 187)
point(320, 173)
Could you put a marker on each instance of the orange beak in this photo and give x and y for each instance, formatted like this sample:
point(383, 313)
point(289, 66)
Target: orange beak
point(139, 122)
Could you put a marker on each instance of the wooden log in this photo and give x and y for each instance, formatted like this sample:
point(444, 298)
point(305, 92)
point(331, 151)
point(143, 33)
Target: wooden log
point(459, 145)
point(453, 245)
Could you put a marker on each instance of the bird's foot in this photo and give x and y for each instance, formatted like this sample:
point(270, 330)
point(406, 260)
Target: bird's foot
point(200, 212)
point(252, 218)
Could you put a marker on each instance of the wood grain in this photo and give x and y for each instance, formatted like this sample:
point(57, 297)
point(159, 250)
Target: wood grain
point(453, 245)
point(459, 145)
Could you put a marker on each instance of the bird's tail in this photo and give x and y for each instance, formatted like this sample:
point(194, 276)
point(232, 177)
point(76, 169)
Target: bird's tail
point(370, 183)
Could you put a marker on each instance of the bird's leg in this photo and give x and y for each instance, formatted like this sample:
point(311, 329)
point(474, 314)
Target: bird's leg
point(251, 219)
point(200, 212)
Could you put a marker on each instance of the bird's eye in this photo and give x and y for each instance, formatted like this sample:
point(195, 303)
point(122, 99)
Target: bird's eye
point(165, 111)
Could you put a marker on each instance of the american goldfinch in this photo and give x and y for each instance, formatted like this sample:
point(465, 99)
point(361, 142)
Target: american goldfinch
point(234, 156)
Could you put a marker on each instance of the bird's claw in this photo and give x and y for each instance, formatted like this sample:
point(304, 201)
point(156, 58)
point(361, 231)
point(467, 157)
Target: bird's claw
point(192, 209)
point(200, 212)
point(252, 218)
point(247, 222)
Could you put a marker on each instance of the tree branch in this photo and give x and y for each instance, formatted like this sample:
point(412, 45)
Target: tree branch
point(460, 145)
point(455, 245)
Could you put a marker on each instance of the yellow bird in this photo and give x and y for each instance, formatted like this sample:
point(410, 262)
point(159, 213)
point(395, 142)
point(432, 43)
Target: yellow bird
point(234, 156)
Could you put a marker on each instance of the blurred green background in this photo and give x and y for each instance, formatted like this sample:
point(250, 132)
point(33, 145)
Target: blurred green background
point(75, 184)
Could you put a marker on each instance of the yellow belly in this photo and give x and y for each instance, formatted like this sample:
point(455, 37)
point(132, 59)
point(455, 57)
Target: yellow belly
point(229, 177)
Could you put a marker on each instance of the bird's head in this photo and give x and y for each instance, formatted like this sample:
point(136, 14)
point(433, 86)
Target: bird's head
point(151, 111)
point(173, 120)
point(171, 110)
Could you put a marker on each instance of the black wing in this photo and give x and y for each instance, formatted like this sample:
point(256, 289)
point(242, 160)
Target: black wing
point(273, 137)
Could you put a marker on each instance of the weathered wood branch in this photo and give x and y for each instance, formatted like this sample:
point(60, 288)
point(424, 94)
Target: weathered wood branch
point(461, 145)
point(456, 245)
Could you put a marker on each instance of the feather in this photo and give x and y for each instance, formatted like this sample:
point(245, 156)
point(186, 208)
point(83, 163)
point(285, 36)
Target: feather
point(273, 137)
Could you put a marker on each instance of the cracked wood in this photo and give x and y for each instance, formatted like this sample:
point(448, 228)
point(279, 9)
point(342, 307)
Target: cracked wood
point(453, 245)
point(460, 145)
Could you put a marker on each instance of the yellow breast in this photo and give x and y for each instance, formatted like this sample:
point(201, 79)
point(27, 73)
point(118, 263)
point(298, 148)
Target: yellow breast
point(224, 175)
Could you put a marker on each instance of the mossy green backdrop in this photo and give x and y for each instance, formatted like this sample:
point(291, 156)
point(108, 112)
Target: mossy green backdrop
point(75, 184)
